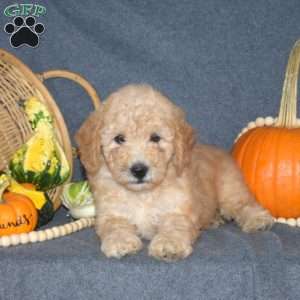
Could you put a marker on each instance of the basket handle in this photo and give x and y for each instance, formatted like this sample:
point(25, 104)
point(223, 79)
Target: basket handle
point(288, 105)
point(76, 78)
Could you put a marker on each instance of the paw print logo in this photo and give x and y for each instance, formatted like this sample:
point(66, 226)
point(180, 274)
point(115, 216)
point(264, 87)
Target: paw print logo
point(24, 31)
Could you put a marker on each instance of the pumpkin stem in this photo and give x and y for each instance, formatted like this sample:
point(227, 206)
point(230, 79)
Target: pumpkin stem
point(288, 105)
point(4, 183)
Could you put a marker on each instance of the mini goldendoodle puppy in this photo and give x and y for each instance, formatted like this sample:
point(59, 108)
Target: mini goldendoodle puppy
point(150, 179)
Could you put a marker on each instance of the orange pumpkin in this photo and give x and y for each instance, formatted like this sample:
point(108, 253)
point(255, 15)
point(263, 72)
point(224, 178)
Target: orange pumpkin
point(270, 160)
point(17, 212)
point(269, 156)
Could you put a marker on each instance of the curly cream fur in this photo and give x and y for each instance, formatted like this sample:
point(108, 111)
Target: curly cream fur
point(188, 188)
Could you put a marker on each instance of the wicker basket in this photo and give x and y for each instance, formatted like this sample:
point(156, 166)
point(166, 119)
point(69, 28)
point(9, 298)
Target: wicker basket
point(287, 117)
point(17, 82)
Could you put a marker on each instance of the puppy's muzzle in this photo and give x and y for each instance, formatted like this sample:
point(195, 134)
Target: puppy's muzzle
point(139, 171)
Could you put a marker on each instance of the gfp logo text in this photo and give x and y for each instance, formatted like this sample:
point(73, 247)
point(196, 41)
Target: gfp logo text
point(15, 10)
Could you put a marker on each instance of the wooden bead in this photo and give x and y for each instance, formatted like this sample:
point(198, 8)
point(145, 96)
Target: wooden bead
point(62, 230)
point(251, 125)
point(259, 122)
point(49, 234)
point(84, 222)
point(15, 239)
point(24, 239)
point(55, 231)
point(291, 222)
point(269, 121)
point(244, 130)
point(74, 226)
point(281, 220)
point(5, 241)
point(68, 228)
point(79, 224)
point(41, 235)
point(33, 238)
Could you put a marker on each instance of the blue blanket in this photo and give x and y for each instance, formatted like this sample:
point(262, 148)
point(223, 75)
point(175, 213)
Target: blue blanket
point(224, 63)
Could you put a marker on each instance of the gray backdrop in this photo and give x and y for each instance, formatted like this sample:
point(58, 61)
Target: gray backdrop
point(224, 63)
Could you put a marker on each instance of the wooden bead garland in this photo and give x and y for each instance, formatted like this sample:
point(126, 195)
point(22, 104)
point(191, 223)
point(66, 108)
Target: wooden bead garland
point(47, 234)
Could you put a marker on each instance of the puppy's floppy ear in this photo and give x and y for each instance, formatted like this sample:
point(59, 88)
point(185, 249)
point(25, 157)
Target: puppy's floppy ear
point(88, 140)
point(185, 140)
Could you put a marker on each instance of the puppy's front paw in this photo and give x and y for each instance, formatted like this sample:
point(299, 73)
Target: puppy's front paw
point(255, 218)
point(119, 244)
point(169, 248)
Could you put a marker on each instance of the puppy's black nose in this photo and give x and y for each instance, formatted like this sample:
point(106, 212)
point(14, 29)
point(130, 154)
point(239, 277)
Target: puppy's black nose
point(139, 170)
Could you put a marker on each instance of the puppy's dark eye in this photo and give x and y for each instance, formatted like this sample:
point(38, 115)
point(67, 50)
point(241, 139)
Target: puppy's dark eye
point(155, 138)
point(119, 139)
